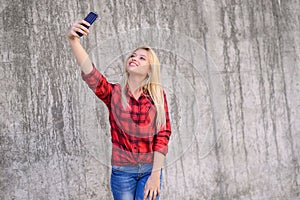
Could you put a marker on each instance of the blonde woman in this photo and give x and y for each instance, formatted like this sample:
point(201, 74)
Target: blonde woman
point(138, 116)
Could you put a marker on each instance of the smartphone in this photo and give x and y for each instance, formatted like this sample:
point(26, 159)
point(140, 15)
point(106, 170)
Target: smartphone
point(90, 18)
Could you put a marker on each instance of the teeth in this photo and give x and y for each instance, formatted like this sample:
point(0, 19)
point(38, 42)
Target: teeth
point(132, 64)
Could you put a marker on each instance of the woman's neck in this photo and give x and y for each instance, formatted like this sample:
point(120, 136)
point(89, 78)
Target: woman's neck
point(135, 85)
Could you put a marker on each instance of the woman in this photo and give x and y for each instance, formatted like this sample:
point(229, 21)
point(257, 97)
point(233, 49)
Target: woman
point(138, 115)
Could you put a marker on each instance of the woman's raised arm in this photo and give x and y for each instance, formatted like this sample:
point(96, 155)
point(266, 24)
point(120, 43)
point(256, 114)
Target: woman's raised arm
point(79, 52)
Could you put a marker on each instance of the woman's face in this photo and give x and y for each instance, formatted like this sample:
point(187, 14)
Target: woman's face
point(138, 63)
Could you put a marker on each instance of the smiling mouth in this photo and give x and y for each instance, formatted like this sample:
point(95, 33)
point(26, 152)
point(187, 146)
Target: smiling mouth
point(133, 64)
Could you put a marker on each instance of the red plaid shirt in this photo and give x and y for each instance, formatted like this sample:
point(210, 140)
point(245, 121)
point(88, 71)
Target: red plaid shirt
point(134, 134)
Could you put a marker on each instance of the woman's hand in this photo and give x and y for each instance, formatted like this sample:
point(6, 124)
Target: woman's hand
point(152, 187)
point(78, 27)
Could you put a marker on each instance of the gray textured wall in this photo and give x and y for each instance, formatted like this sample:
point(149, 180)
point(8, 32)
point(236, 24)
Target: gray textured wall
point(231, 72)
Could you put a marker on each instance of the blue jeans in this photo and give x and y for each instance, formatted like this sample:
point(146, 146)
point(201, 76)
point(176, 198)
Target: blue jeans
point(128, 182)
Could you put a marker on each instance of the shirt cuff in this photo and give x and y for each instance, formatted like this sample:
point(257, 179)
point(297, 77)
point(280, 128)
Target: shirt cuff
point(163, 150)
point(89, 75)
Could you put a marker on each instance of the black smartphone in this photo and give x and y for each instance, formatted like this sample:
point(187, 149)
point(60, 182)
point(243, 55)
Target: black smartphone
point(90, 18)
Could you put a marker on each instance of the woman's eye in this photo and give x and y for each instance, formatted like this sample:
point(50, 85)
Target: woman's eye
point(142, 58)
point(132, 56)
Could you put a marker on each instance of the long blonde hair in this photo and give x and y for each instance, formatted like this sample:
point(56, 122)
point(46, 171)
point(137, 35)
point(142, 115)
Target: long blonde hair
point(152, 84)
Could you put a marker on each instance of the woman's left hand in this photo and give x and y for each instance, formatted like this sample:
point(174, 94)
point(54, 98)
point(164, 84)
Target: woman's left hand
point(152, 187)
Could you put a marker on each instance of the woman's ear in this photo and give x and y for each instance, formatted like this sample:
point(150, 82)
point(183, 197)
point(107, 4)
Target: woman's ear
point(149, 75)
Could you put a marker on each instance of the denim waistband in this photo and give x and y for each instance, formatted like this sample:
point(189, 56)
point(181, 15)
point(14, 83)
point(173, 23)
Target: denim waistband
point(140, 168)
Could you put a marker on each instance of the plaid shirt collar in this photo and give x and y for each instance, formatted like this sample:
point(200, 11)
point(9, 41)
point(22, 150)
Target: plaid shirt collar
point(128, 93)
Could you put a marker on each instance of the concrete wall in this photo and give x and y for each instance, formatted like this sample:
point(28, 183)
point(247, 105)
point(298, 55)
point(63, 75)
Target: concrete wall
point(230, 70)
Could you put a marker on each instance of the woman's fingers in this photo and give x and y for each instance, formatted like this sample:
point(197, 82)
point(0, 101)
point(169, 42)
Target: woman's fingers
point(157, 193)
point(80, 30)
point(154, 194)
point(82, 25)
point(151, 194)
point(79, 27)
point(83, 22)
point(146, 192)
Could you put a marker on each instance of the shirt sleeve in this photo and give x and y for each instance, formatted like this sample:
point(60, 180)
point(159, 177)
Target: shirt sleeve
point(164, 133)
point(99, 85)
